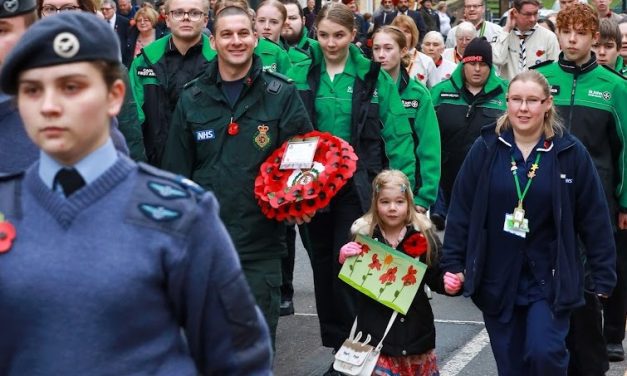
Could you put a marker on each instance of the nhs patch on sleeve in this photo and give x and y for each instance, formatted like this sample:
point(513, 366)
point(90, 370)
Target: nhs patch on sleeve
point(205, 135)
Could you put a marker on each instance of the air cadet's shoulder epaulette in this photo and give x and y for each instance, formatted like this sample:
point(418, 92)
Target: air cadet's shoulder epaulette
point(163, 201)
point(182, 182)
point(4, 176)
point(546, 62)
point(613, 71)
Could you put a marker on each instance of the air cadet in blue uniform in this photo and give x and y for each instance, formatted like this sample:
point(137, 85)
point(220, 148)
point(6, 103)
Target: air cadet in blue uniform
point(132, 257)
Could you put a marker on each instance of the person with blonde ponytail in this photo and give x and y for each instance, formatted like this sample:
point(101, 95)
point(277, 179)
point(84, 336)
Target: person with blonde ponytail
point(526, 202)
point(419, 65)
point(408, 348)
point(389, 48)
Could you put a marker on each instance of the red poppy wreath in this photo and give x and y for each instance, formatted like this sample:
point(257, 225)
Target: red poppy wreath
point(295, 193)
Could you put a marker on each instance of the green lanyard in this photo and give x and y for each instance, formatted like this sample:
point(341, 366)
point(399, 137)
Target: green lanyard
point(531, 174)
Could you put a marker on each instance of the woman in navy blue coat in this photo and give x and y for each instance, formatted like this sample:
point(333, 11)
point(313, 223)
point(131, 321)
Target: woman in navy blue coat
point(527, 211)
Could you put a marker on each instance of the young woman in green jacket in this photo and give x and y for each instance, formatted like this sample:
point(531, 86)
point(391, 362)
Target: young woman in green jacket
point(352, 98)
point(389, 48)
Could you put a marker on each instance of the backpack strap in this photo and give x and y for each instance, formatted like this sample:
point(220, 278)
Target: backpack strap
point(380, 345)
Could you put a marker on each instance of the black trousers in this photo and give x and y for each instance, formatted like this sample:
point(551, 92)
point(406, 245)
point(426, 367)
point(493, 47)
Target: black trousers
point(323, 238)
point(588, 356)
point(615, 307)
point(287, 264)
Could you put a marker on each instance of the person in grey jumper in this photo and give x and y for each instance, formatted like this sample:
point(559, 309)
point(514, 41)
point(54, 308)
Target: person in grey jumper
point(109, 267)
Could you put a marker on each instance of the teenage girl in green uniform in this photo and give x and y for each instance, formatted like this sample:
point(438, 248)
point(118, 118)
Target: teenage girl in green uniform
point(352, 98)
point(390, 49)
point(269, 20)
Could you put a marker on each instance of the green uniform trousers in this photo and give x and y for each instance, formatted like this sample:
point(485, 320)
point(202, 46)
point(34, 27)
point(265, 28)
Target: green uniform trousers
point(264, 278)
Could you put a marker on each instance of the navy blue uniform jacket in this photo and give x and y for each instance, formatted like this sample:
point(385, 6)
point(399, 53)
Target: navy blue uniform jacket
point(580, 211)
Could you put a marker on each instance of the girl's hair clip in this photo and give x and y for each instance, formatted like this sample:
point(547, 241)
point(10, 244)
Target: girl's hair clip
point(403, 187)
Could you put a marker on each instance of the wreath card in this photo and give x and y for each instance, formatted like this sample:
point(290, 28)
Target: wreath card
point(386, 275)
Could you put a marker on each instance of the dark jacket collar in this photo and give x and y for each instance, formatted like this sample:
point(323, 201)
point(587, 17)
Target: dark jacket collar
point(212, 74)
point(571, 67)
point(404, 80)
point(490, 138)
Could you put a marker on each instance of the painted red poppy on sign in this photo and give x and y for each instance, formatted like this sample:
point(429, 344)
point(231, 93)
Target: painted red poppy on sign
point(389, 276)
point(375, 264)
point(409, 278)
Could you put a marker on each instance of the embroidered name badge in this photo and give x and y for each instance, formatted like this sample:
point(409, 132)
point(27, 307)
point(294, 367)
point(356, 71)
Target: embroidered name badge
point(410, 104)
point(166, 191)
point(449, 95)
point(159, 213)
point(262, 139)
point(208, 134)
point(555, 90)
point(146, 72)
point(566, 180)
point(606, 95)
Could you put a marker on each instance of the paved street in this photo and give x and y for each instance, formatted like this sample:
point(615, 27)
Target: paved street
point(462, 344)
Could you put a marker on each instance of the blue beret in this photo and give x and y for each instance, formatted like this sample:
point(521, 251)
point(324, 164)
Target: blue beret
point(63, 38)
point(12, 8)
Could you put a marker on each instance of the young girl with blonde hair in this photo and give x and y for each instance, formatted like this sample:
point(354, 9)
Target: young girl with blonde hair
point(408, 348)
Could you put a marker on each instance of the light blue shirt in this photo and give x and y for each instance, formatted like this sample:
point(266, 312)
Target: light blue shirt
point(4, 97)
point(90, 167)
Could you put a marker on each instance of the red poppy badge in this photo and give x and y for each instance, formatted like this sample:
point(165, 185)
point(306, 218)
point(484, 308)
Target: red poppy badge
point(415, 245)
point(7, 234)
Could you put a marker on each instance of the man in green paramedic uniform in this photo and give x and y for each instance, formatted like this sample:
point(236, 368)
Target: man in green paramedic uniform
point(160, 71)
point(227, 122)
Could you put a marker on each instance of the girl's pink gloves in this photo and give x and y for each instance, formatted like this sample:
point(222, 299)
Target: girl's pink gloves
point(453, 282)
point(349, 250)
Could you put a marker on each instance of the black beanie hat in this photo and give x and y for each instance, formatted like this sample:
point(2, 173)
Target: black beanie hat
point(478, 50)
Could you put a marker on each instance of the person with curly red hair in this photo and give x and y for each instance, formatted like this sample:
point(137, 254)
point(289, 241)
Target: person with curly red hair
point(588, 97)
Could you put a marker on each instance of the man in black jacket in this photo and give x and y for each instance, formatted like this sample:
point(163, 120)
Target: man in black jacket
point(390, 12)
point(118, 23)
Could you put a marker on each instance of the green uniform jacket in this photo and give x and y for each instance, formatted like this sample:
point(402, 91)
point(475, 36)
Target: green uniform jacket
point(461, 118)
point(273, 57)
point(591, 101)
point(129, 125)
point(147, 75)
point(620, 66)
point(379, 130)
point(417, 101)
point(300, 56)
point(200, 148)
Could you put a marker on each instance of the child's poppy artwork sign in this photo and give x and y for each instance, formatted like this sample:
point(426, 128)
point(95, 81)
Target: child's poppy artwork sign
point(386, 275)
